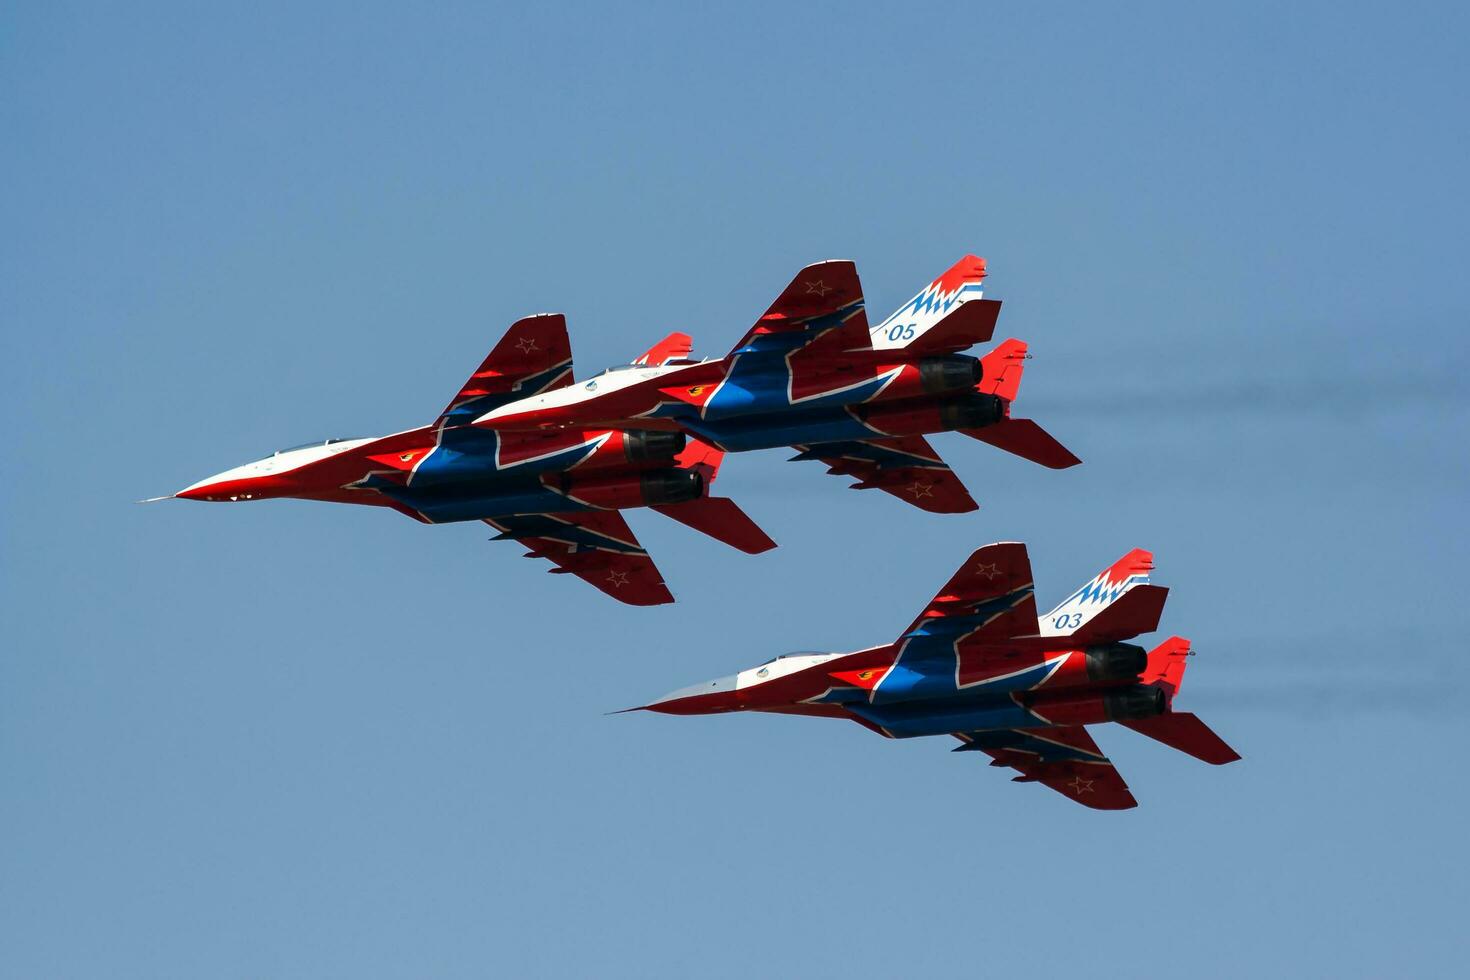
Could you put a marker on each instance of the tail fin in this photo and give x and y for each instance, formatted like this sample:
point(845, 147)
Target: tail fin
point(959, 284)
point(1003, 368)
point(676, 346)
point(1081, 608)
point(1178, 729)
point(1166, 663)
point(719, 517)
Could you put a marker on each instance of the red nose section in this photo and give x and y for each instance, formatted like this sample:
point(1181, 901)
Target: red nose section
point(258, 488)
point(700, 704)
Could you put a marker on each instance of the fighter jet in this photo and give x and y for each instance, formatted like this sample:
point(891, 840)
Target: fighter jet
point(813, 375)
point(978, 665)
point(557, 491)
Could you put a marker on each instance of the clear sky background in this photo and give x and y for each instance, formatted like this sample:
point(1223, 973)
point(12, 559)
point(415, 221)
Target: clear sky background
point(295, 740)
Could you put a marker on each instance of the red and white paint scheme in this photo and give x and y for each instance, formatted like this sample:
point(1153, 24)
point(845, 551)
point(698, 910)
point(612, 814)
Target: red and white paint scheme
point(558, 491)
point(979, 665)
point(813, 375)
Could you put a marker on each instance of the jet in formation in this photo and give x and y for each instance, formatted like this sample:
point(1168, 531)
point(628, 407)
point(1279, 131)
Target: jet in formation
point(811, 374)
point(557, 491)
point(551, 462)
point(979, 665)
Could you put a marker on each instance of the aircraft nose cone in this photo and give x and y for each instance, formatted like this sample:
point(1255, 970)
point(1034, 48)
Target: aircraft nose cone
point(218, 489)
point(198, 491)
point(700, 699)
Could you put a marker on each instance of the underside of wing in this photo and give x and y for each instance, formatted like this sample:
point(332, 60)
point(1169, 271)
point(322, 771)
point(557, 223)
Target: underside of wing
point(1066, 760)
point(597, 546)
point(822, 305)
point(906, 467)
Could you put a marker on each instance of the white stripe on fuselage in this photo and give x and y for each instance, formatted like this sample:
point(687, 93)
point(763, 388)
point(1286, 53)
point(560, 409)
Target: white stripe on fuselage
point(592, 388)
point(282, 462)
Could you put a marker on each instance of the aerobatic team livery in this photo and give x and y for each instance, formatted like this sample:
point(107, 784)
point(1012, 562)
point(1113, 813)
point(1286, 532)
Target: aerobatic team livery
point(557, 491)
point(549, 462)
point(811, 374)
point(977, 664)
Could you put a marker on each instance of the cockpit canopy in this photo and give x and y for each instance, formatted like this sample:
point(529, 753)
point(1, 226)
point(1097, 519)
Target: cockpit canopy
point(796, 653)
point(312, 445)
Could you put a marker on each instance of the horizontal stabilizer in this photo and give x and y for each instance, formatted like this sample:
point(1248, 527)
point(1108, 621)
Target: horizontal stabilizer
point(722, 519)
point(1026, 439)
point(1185, 732)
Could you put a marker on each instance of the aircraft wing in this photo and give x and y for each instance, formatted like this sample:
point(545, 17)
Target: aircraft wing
point(823, 304)
point(991, 597)
point(596, 546)
point(1066, 760)
point(906, 467)
point(535, 355)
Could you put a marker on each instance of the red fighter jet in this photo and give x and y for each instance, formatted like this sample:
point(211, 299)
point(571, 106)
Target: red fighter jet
point(978, 665)
point(556, 491)
point(811, 374)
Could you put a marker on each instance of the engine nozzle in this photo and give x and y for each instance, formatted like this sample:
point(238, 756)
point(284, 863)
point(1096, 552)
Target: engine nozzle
point(974, 411)
point(643, 445)
point(1115, 662)
point(1138, 701)
point(949, 372)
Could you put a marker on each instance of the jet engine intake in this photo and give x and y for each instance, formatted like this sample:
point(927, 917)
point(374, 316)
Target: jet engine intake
point(643, 445)
point(1115, 661)
point(949, 372)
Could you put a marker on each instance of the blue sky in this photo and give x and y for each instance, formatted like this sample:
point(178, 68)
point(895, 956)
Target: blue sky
point(294, 740)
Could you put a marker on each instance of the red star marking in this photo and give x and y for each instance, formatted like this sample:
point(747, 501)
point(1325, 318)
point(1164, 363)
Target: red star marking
point(818, 288)
point(527, 344)
point(920, 489)
point(618, 578)
point(1080, 785)
point(989, 571)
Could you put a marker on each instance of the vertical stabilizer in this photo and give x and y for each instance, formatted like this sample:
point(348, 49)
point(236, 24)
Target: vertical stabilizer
point(960, 283)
